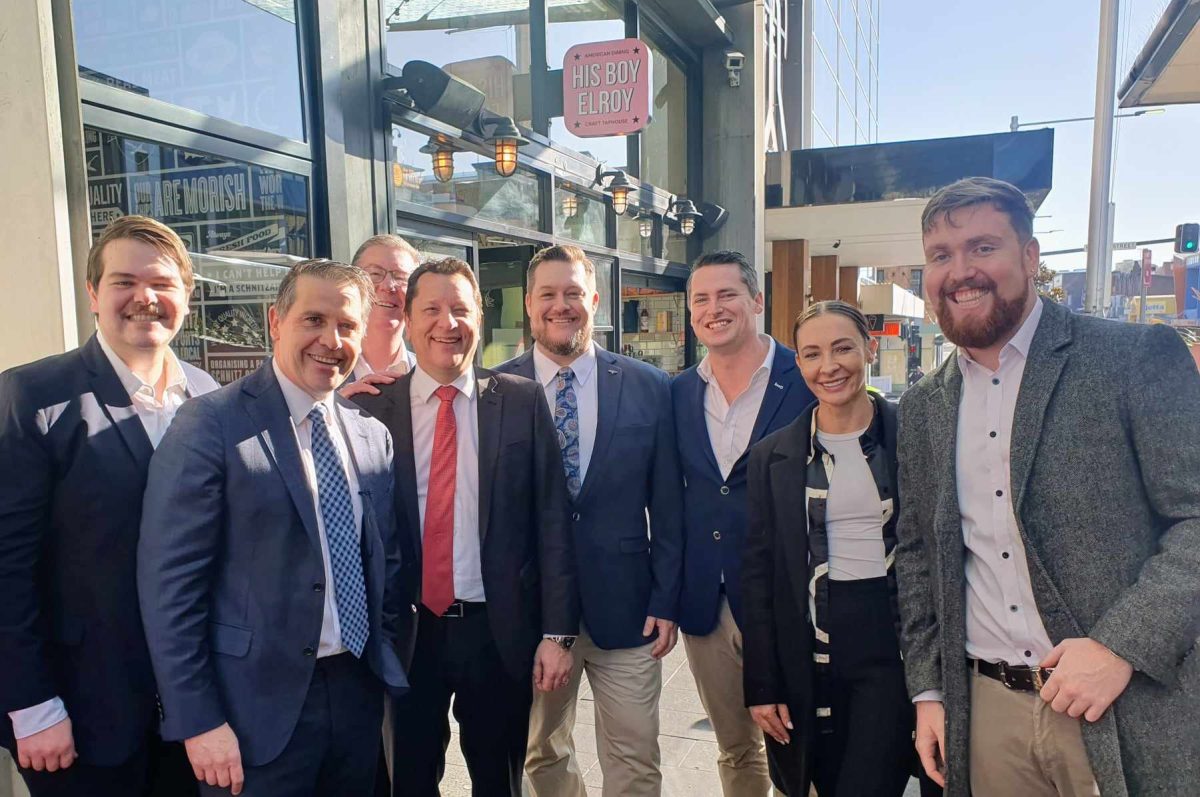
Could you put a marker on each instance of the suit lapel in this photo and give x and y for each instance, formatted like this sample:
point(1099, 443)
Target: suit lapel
point(117, 404)
point(789, 486)
point(943, 431)
point(608, 392)
point(778, 387)
point(357, 438)
point(491, 415)
point(699, 423)
point(1043, 367)
point(404, 461)
point(268, 408)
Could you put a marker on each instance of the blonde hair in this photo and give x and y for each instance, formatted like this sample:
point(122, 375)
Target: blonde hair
point(149, 231)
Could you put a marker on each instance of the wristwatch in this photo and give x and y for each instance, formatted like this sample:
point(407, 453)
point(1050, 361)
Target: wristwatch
point(564, 642)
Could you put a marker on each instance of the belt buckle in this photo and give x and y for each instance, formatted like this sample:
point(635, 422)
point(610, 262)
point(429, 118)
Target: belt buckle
point(455, 609)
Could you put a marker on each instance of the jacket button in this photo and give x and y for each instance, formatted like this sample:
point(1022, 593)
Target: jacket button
point(724, 489)
point(716, 535)
point(308, 651)
point(575, 517)
point(318, 587)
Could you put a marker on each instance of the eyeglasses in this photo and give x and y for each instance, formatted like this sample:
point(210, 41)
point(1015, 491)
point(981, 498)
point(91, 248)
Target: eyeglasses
point(379, 276)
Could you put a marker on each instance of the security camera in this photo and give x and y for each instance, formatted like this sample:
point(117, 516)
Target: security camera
point(734, 61)
point(837, 243)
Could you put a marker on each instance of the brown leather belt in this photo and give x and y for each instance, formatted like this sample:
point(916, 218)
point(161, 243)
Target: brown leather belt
point(1014, 676)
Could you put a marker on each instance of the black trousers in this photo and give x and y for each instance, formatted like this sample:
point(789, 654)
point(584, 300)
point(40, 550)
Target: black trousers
point(157, 769)
point(866, 750)
point(333, 750)
point(455, 660)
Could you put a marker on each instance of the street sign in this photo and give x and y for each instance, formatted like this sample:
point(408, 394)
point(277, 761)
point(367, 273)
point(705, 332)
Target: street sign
point(1147, 267)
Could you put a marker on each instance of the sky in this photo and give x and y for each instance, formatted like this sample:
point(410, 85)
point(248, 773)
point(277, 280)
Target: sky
point(949, 69)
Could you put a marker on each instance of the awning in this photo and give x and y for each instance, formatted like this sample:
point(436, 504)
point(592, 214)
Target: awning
point(1167, 71)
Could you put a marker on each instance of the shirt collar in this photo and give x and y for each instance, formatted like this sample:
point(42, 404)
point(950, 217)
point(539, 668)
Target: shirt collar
point(704, 369)
point(547, 370)
point(1022, 340)
point(299, 402)
point(362, 367)
point(423, 384)
point(133, 384)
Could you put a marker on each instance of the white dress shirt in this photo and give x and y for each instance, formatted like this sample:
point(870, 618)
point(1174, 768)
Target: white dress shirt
point(1003, 623)
point(853, 522)
point(586, 395)
point(299, 404)
point(468, 563)
point(403, 363)
point(155, 416)
point(731, 423)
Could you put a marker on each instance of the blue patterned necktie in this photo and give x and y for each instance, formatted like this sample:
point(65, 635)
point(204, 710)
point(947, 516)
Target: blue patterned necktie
point(345, 554)
point(566, 420)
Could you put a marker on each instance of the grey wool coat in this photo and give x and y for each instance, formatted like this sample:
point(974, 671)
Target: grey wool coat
point(1105, 469)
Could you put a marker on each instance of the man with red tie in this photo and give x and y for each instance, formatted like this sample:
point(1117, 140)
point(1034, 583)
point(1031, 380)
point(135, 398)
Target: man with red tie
point(482, 515)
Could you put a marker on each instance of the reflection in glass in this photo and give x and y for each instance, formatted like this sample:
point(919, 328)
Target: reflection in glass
point(603, 321)
point(244, 225)
point(665, 141)
point(578, 216)
point(484, 42)
point(473, 190)
point(505, 332)
point(629, 237)
point(233, 60)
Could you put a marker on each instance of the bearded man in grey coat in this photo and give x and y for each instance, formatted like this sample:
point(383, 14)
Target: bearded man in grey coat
point(1049, 539)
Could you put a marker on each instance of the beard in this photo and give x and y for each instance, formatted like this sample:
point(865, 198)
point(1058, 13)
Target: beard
point(981, 333)
point(571, 347)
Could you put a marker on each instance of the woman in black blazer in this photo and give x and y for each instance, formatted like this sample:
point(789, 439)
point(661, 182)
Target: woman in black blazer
point(822, 669)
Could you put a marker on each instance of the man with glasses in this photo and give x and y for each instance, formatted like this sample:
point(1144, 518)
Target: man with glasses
point(388, 260)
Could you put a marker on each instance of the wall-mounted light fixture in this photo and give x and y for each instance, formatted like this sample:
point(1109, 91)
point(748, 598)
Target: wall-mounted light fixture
point(618, 187)
point(506, 138)
point(570, 204)
point(686, 213)
point(645, 225)
point(442, 155)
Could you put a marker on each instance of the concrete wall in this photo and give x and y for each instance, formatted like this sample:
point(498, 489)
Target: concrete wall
point(41, 182)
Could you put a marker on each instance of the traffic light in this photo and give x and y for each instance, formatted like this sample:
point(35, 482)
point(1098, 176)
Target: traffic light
point(1187, 239)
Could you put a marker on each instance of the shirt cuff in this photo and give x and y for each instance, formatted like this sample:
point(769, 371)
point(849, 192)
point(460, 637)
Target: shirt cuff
point(931, 695)
point(35, 719)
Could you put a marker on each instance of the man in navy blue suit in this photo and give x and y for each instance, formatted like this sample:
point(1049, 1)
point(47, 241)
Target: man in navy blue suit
point(76, 434)
point(268, 569)
point(616, 433)
point(746, 387)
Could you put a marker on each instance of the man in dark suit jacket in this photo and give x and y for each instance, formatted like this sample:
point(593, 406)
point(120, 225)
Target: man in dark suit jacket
point(745, 388)
point(76, 434)
point(617, 441)
point(487, 548)
point(268, 557)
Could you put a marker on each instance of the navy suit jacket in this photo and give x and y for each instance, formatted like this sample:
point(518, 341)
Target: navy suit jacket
point(627, 571)
point(73, 460)
point(230, 572)
point(714, 517)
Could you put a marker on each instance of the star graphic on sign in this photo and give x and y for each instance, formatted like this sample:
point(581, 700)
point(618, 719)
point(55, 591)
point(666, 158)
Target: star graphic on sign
point(637, 50)
point(577, 124)
point(576, 56)
point(636, 120)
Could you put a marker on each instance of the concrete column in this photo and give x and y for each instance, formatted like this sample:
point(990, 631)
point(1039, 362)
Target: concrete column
point(734, 173)
point(39, 186)
point(789, 286)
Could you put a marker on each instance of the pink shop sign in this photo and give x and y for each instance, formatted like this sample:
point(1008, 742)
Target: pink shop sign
point(606, 88)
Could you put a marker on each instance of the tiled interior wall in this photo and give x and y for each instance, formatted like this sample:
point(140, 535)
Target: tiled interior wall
point(663, 349)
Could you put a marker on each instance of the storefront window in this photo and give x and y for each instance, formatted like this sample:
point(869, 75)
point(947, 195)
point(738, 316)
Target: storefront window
point(234, 60)
point(475, 189)
point(665, 140)
point(603, 322)
point(575, 22)
point(676, 245)
point(630, 239)
point(652, 321)
point(244, 223)
point(578, 216)
point(484, 42)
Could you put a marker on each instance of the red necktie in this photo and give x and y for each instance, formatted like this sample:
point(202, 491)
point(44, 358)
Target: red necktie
point(437, 546)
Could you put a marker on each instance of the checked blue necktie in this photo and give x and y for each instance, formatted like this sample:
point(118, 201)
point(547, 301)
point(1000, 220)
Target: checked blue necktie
point(566, 420)
point(345, 555)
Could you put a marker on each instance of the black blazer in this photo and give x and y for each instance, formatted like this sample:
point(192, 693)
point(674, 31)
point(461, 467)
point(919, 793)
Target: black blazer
point(73, 462)
point(527, 556)
point(777, 633)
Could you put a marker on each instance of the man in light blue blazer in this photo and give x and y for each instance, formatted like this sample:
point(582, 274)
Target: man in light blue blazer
point(268, 557)
point(616, 435)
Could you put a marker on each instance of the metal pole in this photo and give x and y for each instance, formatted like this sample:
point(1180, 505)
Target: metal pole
point(1142, 302)
point(1099, 255)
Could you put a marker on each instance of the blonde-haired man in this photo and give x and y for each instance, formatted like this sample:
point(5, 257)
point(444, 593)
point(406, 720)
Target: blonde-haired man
point(76, 434)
